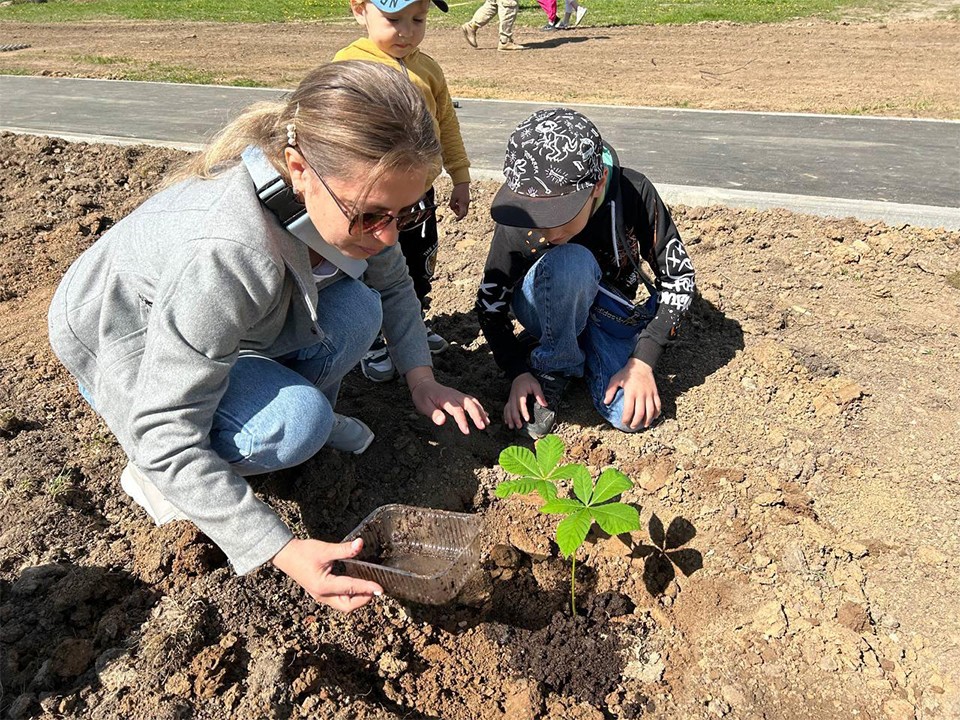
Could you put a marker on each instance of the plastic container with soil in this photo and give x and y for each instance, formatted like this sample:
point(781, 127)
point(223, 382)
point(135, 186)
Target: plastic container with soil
point(416, 553)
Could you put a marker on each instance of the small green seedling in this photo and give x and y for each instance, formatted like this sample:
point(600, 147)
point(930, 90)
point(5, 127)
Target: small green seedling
point(591, 502)
point(59, 485)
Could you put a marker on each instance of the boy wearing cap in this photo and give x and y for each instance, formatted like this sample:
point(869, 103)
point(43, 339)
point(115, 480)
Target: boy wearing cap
point(572, 229)
point(395, 29)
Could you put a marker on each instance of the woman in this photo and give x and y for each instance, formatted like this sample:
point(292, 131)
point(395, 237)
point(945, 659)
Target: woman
point(213, 340)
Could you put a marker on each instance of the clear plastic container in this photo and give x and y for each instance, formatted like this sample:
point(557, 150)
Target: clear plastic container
point(416, 553)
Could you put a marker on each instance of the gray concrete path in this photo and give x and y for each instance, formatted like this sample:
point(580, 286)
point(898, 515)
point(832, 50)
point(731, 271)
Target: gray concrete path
point(896, 170)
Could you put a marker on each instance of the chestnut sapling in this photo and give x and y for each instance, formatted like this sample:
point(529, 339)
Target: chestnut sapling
point(591, 501)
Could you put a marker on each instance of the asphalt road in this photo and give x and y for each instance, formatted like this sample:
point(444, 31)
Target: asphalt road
point(896, 170)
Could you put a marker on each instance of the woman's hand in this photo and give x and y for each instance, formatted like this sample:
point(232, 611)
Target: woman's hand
point(310, 563)
point(460, 200)
point(516, 412)
point(436, 401)
point(641, 401)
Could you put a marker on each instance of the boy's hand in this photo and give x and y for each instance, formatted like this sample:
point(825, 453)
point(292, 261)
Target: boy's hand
point(641, 401)
point(460, 200)
point(310, 563)
point(515, 412)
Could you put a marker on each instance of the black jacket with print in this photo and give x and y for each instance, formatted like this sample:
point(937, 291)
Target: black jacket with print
point(631, 224)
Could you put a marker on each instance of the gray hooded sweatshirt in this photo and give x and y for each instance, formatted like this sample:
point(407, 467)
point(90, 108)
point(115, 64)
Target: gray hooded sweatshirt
point(152, 317)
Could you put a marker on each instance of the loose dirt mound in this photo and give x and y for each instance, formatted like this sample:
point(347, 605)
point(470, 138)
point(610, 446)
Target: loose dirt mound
point(799, 503)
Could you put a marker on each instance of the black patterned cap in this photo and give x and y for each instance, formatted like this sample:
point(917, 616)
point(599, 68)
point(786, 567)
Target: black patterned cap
point(554, 160)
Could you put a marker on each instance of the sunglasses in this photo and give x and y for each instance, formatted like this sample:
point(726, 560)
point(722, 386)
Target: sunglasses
point(369, 223)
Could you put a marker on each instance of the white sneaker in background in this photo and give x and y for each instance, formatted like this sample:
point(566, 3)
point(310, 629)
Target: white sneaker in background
point(146, 495)
point(349, 435)
point(581, 11)
point(377, 365)
point(436, 343)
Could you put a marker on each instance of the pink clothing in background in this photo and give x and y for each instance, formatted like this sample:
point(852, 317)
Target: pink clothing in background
point(550, 8)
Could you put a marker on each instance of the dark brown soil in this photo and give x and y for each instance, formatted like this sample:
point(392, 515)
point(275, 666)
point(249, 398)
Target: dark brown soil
point(577, 655)
point(799, 503)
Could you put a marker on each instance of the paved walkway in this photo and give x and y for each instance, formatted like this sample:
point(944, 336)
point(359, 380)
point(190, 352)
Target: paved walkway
point(896, 170)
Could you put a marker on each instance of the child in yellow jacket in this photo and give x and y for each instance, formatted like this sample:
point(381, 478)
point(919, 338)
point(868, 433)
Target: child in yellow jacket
point(395, 29)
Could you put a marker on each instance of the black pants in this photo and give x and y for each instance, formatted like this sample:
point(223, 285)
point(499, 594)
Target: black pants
point(419, 246)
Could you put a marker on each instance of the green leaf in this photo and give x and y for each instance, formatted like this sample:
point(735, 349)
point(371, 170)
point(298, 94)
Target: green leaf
point(566, 472)
point(560, 472)
point(519, 461)
point(572, 531)
point(561, 506)
point(611, 483)
point(582, 481)
point(616, 518)
point(549, 451)
point(546, 489)
point(521, 487)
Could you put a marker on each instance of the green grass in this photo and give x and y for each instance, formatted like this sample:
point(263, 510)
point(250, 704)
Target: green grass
point(919, 108)
point(158, 72)
point(130, 69)
point(16, 70)
point(602, 12)
point(102, 59)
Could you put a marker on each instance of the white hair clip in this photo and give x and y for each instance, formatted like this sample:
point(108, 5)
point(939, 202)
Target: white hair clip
point(291, 135)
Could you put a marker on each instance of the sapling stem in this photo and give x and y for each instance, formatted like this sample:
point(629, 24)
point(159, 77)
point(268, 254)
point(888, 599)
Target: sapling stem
point(573, 585)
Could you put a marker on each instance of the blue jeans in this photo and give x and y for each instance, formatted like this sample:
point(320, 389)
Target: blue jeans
point(278, 412)
point(557, 303)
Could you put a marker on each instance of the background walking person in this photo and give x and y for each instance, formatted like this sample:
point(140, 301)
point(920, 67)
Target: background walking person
point(572, 9)
point(507, 10)
point(550, 8)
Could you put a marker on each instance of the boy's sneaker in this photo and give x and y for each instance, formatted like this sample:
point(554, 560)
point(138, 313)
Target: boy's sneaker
point(542, 418)
point(549, 26)
point(436, 343)
point(563, 25)
point(376, 364)
point(349, 435)
point(510, 46)
point(581, 11)
point(146, 495)
point(470, 34)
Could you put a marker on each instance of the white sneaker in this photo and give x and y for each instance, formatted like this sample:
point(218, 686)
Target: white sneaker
point(581, 11)
point(436, 343)
point(349, 435)
point(146, 495)
point(377, 365)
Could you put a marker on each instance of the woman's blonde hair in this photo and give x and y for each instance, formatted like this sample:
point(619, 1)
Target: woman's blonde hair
point(349, 117)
